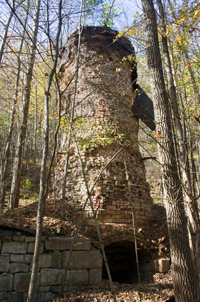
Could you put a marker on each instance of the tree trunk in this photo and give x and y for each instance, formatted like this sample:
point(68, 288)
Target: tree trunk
point(183, 268)
point(6, 31)
point(35, 136)
point(42, 194)
point(34, 271)
point(17, 166)
point(71, 118)
point(191, 208)
point(12, 119)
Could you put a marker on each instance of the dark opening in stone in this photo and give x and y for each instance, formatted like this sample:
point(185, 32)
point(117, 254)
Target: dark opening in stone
point(122, 262)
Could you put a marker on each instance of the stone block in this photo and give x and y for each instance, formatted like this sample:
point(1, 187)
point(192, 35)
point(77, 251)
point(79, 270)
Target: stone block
point(64, 244)
point(6, 237)
point(55, 289)
point(6, 281)
point(44, 288)
point(4, 264)
point(45, 260)
point(83, 259)
point(32, 239)
point(79, 277)
point(20, 238)
point(14, 297)
point(31, 246)
point(40, 297)
point(95, 276)
point(56, 260)
point(3, 296)
point(29, 239)
point(162, 265)
point(17, 267)
point(21, 258)
point(14, 247)
point(21, 282)
point(52, 276)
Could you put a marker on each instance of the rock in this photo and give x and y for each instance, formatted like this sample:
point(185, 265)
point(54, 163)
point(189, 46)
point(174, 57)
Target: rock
point(6, 281)
point(52, 276)
point(21, 258)
point(21, 282)
point(40, 297)
point(14, 297)
point(56, 260)
point(14, 247)
point(19, 238)
point(16, 267)
point(83, 259)
point(4, 264)
point(95, 276)
point(3, 296)
point(162, 265)
point(45, 260)
point(79, 277)
point(64, 244)
point(31, 246)
point(44, 288)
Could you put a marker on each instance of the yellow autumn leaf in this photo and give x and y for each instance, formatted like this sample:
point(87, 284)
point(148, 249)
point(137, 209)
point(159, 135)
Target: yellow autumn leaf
point(167, 31)
point(197, 14)
point(179, 39)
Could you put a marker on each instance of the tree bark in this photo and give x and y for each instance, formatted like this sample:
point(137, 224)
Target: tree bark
point(42, 194)
point(71, 117)
point(6, 31)
point(17, 166)
point(12, 119)
point(183, 268)
point(190, 205)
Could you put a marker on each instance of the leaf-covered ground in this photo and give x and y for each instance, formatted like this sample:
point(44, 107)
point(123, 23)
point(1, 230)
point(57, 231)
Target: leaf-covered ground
point(160, 290)
point(153, 235)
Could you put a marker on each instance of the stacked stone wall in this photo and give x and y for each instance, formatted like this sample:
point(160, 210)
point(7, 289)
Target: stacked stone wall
point(16, 263)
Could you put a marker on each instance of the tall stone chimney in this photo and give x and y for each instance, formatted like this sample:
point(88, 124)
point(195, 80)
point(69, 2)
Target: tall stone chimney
point(103, 124)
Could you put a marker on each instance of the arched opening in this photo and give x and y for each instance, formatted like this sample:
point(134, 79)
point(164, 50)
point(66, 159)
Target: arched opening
point(122, 262)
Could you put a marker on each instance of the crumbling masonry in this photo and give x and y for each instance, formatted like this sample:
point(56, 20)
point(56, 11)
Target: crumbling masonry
point(103, 124)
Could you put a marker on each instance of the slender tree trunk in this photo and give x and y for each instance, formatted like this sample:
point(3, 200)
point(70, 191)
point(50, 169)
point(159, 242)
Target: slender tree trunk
point(17, 166)
point(183, 268)
point(187, 58)
point(35, 136)
point(4, 38)
point(71, 118)
point(42, 194)
point(190, 205)
point(12, 119)
point(34, 271)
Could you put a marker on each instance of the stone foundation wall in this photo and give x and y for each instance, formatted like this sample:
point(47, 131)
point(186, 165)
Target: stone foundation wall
point(16, 262)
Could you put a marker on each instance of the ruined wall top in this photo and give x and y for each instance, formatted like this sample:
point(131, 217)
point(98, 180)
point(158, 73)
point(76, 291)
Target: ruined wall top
point(101, 39)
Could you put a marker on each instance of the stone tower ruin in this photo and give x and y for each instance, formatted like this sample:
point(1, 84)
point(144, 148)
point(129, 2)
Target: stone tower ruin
point(105, 128)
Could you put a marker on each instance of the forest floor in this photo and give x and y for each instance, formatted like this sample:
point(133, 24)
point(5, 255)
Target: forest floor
point(160, 290)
